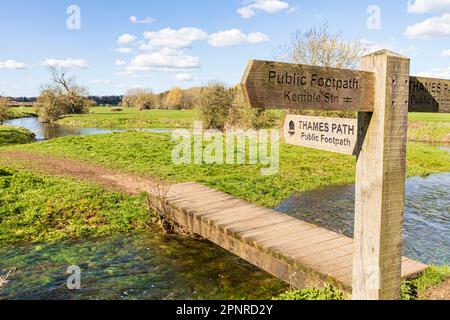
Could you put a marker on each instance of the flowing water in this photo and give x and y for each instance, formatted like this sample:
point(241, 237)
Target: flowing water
point(44, 131)
point(427, 215)
point(152, 266)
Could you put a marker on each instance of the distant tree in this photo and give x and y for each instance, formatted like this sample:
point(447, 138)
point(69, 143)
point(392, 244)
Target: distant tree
point(320, 47)
point(142, 99)
point(174, 99)
point(62, 96)
point(4, 110)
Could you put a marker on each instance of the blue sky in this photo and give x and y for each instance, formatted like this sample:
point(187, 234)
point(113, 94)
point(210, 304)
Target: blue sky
point(160, 44)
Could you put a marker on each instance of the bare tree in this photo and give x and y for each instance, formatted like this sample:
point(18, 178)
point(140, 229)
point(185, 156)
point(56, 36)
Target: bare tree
point(320, 47)
point(62, 96)
point(4, 109)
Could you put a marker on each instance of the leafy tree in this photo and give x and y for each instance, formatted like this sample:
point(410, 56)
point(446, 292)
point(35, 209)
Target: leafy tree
point(174, 99)
point(215, 103)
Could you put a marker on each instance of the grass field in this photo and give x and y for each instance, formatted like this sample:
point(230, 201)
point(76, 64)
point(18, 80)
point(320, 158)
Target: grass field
point(14, 135)
point(128, 118)
point(35, 208)
point(301, 169)
point(21, 112)
point(429, 127)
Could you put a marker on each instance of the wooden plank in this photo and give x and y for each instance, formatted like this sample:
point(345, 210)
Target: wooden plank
point(276, 85)
point(429, 95)
point(380, 181)
point(323, 133)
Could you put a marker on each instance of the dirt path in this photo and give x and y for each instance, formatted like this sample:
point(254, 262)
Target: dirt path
point(110, 179)
point(121, 182)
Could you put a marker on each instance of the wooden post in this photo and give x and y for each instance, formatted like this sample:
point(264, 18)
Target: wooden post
point(380, 180)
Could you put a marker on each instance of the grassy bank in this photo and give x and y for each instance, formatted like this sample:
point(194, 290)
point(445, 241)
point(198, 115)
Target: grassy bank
point(14, 135)
point(410, 289)
point(35, 208)
point(429, 127)
point(128, 118)
point(22, 112)
point(301, 169)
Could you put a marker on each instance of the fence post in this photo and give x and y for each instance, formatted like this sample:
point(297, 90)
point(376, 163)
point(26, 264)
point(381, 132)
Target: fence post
point(380, 180)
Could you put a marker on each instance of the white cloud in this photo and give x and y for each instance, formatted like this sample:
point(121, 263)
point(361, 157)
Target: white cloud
point(120, 62)
point(124, 50)
point(234, 37)
point(12, 65)
point(68, 63)
point(173, 38)
point(146, 20)
point(445, 53)
point(436, 26)
point(101, 81)
point(126, 38)
point(185, 77)
point(441, 73)
point(269, 6)
point(372, 46)
point(424, 6)
point(165, 59)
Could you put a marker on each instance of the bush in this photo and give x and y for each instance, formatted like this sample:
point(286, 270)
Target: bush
point(5, 112)
point(215, 103)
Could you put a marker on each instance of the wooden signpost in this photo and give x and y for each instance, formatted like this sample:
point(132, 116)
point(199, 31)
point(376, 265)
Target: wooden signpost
point(382, 94)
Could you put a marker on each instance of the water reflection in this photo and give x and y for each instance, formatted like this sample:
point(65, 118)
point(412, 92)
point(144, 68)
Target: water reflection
point(49, 131)
point(427, 214)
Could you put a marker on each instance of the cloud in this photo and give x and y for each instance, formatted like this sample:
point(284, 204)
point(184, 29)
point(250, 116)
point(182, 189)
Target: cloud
point(165, 59)
point(436, 26)
point(269, 6)
point(235, 37)
point(126, 38)
point(68, 63)
point(101, 81)
point(441, 73)
point(424, 6)
point(445, 53)
point(124, 50)
point(120, 62)
point(12, 65)
point(146, 20)
point(173, 38)
point(372, 46)
point(184, 77)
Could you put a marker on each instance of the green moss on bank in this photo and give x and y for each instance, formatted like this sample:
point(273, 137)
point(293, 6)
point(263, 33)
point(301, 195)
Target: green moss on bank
point(15, 135)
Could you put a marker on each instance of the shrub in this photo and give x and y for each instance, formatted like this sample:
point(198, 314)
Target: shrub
point(327, 293)
point(215, 103)
point(5, 113)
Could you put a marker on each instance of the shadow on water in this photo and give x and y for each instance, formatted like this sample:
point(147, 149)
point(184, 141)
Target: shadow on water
point(48, 131)
point(427, 215)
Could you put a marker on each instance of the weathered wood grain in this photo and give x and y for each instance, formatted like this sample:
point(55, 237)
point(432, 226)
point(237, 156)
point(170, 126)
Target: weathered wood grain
point(380, 181)
point(276, 85)
point(429, 95)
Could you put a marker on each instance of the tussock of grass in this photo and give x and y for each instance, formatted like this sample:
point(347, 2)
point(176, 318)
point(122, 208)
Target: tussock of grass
point(327, 293)
point(433, 276)
point(15, 135)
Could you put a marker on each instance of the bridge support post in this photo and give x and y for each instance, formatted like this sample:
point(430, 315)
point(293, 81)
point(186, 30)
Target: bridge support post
point(380, 181)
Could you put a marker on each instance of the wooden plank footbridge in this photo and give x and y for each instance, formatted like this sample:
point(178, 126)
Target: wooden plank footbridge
point(370, 265)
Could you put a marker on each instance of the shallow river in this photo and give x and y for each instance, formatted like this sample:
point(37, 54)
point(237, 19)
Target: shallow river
point(51, 131)
point(152, 266)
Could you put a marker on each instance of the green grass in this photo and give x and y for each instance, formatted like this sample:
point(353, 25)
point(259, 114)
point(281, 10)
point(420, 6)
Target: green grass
point(429, 127)
point(14, 135)
point(22, 112)
point(410, 289)
point(301, 169)
point(35, 208)
point(129, 118)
